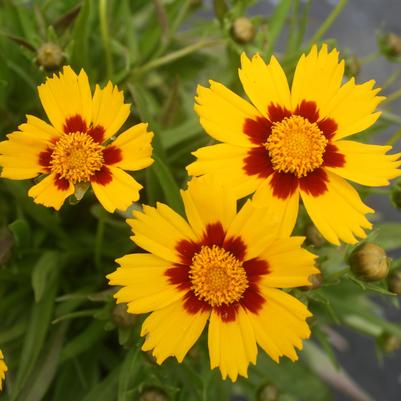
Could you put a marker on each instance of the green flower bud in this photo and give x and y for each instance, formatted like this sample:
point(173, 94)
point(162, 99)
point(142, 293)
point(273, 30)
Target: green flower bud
point(121, 317)
point(268, 392)
point(352, 66)
point(243, 31)
point(315, 282)
point(369, 262)
point(390, 45)
point(313, 236)
point(388, 343)
point(153, 394)
point(49, 56)
point(394, 281)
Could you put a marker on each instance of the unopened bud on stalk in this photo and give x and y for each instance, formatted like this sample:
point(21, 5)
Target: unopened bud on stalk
point(394, 281)
point(352, 66)
point(49, 56)
point(153, 394)
point(121, 317)
point(369, 262)
point(268, 392)
point(243, 31)
point(390, 45)
point(313, 236)
point(315, 282)
point(389, 343)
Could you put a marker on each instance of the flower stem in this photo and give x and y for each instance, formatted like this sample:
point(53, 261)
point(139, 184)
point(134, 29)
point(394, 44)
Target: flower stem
point(104, 29)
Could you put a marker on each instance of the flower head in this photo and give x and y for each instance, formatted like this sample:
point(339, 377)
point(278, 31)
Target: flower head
point(291, 143)
point(218, 267)
point(77, 148)
point(3, 370)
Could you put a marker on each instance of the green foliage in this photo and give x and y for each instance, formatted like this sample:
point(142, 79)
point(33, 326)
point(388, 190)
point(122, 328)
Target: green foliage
point(56, 325)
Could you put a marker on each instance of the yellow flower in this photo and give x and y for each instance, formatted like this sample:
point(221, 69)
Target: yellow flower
point(3, 370)
point(220, 267)
point(290, 144)
point(77, 149)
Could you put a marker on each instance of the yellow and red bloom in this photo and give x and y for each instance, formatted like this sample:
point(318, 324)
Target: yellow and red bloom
point(3, 370)
point(290, 143)
point(77, 148)
point(221, 267)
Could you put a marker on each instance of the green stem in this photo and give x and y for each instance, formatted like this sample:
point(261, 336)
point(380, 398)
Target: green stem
point(104, 29)
point(99, 241)
point(390, 117)
point(392, 96)
point(329, 21)
point(369, 58)
point(394, 138)
point(176, 55)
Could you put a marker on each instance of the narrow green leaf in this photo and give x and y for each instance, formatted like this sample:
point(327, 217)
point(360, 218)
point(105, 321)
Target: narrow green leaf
point(128, 373)
point(80, 36)
point(44, 268)
point(276, 24)
point(106, 389)
point(21, 232)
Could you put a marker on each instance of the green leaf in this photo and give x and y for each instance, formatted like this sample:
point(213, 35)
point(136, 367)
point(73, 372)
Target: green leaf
point(106, 389)
point(21, 232)
point(44, 268)
point(39, 323)
point(127, 374)
point(276, 24)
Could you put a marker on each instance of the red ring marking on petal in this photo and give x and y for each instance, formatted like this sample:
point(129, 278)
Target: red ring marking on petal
point(332, 157)
point(194, 305)
point(255, 269)
point(252, 298)
point(308, 110)
point(186, 250)
point(214, 235)
point(257, 162)
point(236, 246)
point(277, 113)
point(103, 176)
point(314, 183)
point(257, 130)
point(328, 126)
point(179, 276)
point(283, 184)
point(45, 158)
point(227, 313)
point(97, 133)
point(112, 155)
point(74, 124)
point(61, 183)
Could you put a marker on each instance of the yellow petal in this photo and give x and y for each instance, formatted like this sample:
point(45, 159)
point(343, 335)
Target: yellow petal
point(339, 213)
point(65, 96)
point(223, 114)
point(285, 210)
point(264, 84)
point(49, 194)
point(367, 164)
point(109, 110)
point(145, 285)
point(317, 78)
point(207, 201)
point(159, 230)
point(289, 264)
point(226, 162)
point(232, 345)
point(118, 193)
point(3, 370)
point(172, 331)
point(352, 108)
point(135, 146)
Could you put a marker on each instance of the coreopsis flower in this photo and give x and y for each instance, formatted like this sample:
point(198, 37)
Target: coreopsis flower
point(218, 267)
point(294, 143)
point(3, 370)
point(77, 149)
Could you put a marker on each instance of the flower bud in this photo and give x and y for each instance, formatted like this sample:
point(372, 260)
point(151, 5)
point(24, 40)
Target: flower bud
point(313, 236)
point(121, 317)
point(49, 56)
point(390, 45)
point(388, 343)
point(243, 31)
point(268, 392)
point(394, 281)
point(369, 262)
point(153, 394)
point(315, 282)
point(352, 66)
